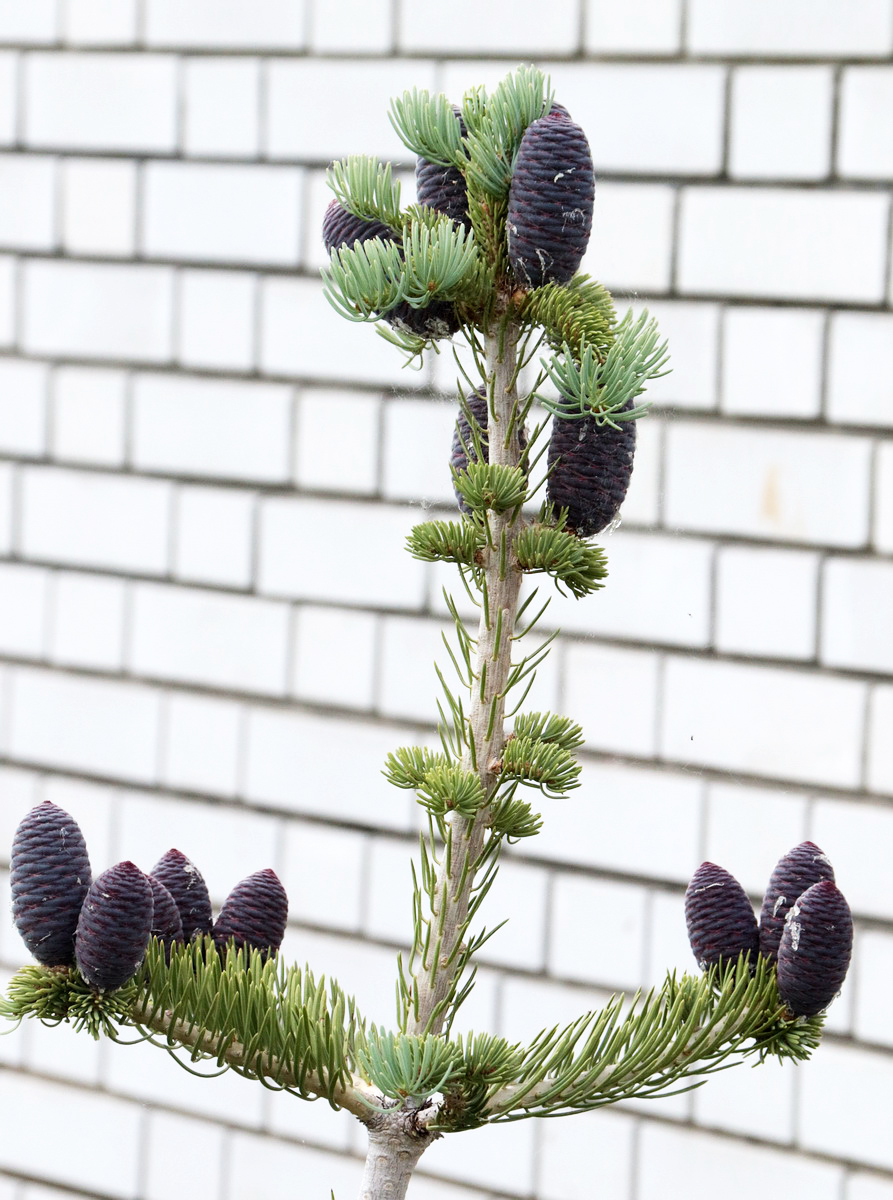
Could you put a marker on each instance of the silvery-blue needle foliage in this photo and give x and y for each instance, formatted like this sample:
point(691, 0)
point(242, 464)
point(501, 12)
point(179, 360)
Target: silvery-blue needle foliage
point(488, 259)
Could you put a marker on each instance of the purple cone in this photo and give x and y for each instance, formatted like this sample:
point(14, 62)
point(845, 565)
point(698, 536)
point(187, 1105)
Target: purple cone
point(167, 924)
point(49, 877)
point(815, 949)
point(590, 469)
point(254, 914)
point(184, 881)
point(798, 870)
point(721, 923)
point(114, 925)
point(462, 450)
point(443, 188)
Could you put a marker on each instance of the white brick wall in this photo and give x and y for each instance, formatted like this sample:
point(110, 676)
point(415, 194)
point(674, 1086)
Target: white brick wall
point(211, 635)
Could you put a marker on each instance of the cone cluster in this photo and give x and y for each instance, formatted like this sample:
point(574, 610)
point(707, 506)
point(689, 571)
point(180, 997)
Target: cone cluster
point(103, 926)
point(805, 926)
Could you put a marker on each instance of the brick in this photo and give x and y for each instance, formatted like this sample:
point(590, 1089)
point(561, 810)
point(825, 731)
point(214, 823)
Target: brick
point(302, 336)
point(8, 505)
point(408, 684)
point(202, 742)
point(692, 330)
point(769, 483)
point(801, 29)
point(758, 1103)
point(295, 87)
point(862, 1186)
point(642, 503)
point(217, 319)
point(20, 792)
point(193, 636)
point(465, 28)
point(750, 620)
point(628, 725)
point(99, 22)
point(883, 499)
point(492, 1157)
point(99, 207)
point(23, 602)
point(9, 67)
point(597, 931)
point(417, 439)
point(667, 1157)
point(212, 212)
point(855, 593)
point(880, 747)
point(570, 1150)
point(213, 537)
point(98, 310)
point(88, 519)
point(853, 835)
point(101, 102)
point(335, 656)
point(225, 429)
point(89, 415)
point(763, 720)
point(873, 984)
point(829, 1121)
point(782, 379)
point(860, 369)
point(271, 24)
point(96, 1138)
point(631, 244)
point(355, 27)
point(183, 1153)
point(8, 315)
point(324, 874)
point(529, 1005)
point(781, 122)
point(348, 463)
point(747, 829)
point(61, 1053)
point(630, 606)
point(87, 627)
point(669, 948)
point(865, 144)
point(28, 215)
point(290, 761)
point(24, 387)
point(92, 725)
point(221, 107)
point(782, 243)
point(316, 1124)
point(601, 825)
point(33, 22)
point(637, 28)
point(267, 1167)
point(294, 533)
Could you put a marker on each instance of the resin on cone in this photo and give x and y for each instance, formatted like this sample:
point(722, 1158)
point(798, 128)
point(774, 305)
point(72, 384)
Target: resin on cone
point(185, 883)
point(114, 927)
point(590, 468)
point(815, 949)
point(49, 880)
point(550, 201)
point(720, 920)
point(798, 870)
point(254, 914)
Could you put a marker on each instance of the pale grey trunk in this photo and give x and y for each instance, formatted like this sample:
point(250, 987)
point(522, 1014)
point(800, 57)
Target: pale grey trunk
point(394, 1150)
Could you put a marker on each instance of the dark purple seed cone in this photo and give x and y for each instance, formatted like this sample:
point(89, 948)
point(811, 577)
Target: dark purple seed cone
point(114, 926)
point(462, 450)
point(254, 914)
point(342, 228)
point(443, 188)
point(49, 878)
point(720, 920)
point(167, 924)
point(550, 202)
point(798, 870)
point(590, 469)
point(815, 949)
point(190, 892)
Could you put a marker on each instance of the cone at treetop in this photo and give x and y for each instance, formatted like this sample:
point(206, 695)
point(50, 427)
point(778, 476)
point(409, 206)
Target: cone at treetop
point(443, 188)
point(550, 203)
point(720, 920)
point(185, 883)
point(254, 914)
point(796, 871)
point(815, 949)
point(590, 466)
point(49, 879)
point(114, 927)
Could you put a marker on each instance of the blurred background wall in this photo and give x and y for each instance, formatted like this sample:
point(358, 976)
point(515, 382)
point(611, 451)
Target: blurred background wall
point(211, 635)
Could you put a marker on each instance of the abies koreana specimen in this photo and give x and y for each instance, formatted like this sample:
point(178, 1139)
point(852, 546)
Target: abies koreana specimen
point(796, 871)
point(721, 923)
point(551, 199)
point(443, 188)
point(114, 927)
point(49, 878)
point(254, 914)
point(590, 467)
point(815, 949)
point(186, 885)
